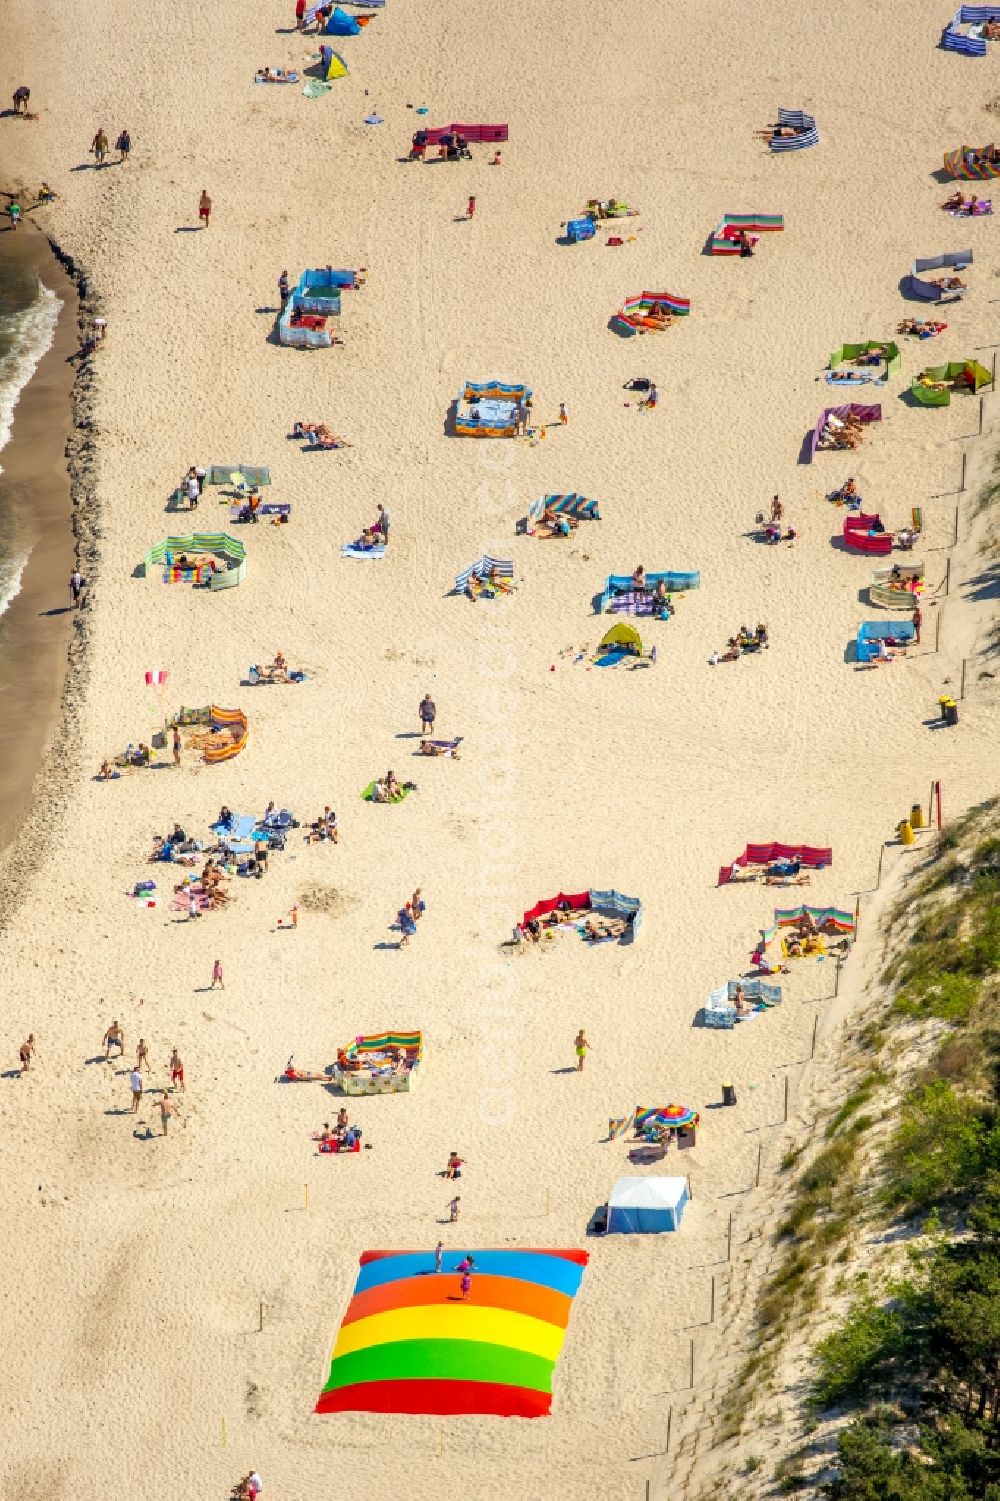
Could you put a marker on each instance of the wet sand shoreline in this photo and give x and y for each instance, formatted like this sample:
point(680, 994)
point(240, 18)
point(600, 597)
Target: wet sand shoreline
point(37, 629)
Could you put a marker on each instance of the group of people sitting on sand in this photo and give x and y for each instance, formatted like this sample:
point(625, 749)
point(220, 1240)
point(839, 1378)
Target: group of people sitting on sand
point(319, 435)
point(921, 328)
point(376, 535)
point(946, 283)
point(965, 380)
point(277, 671)
point(274, 75)
point(388, 1060)
point(971, 206)
point(869, 357)
point(593, 927)
point(841, 432)
point(388, 790)
point(746, 641)
point(493, 583)
point(324, 828)
point(341, 1136)
point(176, 847)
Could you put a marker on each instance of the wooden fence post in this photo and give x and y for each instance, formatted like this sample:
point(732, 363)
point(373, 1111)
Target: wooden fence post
point(711, 1316)
point(760, 1156)
point(729, 1238)
point(786, 1097)
point(961, 692)
point(812, 1050)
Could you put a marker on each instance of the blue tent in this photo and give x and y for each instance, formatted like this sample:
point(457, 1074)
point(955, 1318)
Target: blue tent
point(341, 24)
point(646, 1206)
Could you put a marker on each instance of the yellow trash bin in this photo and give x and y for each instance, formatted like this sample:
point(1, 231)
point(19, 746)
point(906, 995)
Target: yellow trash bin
point(905, 832)
point(917, 820)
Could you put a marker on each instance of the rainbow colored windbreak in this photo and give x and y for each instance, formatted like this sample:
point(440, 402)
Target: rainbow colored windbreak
point(642, 305)
point(827, 919)
point(410, 1344)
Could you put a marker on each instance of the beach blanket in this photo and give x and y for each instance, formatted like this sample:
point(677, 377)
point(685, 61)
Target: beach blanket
point(241, 827)
point(410, 1344)
point(368, 794)
point(348, 550)
point(179, 901)
point(314, 89)
point(288, 78)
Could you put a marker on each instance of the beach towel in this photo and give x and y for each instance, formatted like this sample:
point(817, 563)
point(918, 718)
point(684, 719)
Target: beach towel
point(350, 551)
point(404, 791)
point(612, 658)
point(314, 89)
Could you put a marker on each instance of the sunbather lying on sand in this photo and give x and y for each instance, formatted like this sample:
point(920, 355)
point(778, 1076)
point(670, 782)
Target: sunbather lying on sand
point(921, 328)
point(318, 432)
point(956, 201)
point(558, 523)
point(502, 585)
point(947, 283)
point(432, 748)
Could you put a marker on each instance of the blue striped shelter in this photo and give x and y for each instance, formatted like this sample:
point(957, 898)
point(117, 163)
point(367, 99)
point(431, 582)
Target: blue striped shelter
point(576, 506)
point(629, 907)
point(503, 568)
point(971, 43)
point(804, 126)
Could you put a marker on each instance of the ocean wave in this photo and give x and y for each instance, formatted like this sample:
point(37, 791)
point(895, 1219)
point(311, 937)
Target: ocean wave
point(24, 338)
point(11, 573)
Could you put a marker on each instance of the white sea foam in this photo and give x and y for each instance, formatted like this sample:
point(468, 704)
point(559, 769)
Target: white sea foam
point(24, 337)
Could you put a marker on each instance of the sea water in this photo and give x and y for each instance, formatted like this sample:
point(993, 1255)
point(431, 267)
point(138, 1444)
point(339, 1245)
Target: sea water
point(28, 316)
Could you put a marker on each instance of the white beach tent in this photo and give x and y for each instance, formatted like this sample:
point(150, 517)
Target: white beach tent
point(646, 1206)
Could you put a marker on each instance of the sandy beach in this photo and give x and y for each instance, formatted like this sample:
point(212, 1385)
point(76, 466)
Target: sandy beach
point(136, 1266)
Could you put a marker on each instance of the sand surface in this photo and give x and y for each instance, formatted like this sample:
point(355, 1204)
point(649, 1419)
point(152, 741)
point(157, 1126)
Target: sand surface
point(134, 1267)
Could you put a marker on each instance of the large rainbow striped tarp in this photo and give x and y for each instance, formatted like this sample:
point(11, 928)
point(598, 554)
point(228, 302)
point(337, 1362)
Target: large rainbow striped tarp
point(410, 1344)
point(827, 919)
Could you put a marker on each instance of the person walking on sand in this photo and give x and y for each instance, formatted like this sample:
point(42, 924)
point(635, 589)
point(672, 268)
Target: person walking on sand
point(141, 1055)
point(917, 621)
point(135, 1084)
point(14, 214)
point(177, 746)
point(428, 714)
point(466, 1285)
point(217, 976)
point(176, 1070)
point(114, 1037)
point(453, 1209)
point(26, 1051)
point(293, 917)
point(192, 904)
point(563, 414)
point(204, 208)
point(167, 1109)
point(777, 509)
point(123, 146)
point(417, 905)
point(470, 212)
point(76, 586)
point(284, 290)
point(99, 146)
point(438, 1255)
point(582, 1047)
point(21, 96)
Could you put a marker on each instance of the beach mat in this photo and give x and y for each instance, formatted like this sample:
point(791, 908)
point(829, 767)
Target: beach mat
point(347, 551)
point(369, 790)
